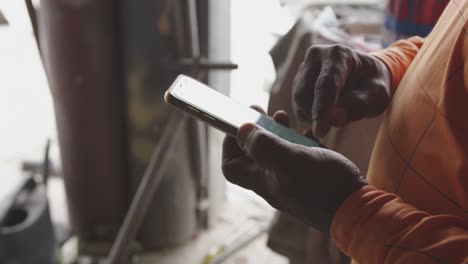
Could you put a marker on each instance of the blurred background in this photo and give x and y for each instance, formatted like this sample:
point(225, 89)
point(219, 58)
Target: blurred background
point(96, 168)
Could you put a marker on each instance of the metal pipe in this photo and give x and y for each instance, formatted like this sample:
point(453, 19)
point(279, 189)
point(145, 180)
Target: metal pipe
point(146, 189)
point(78, 47)
point(193, 27)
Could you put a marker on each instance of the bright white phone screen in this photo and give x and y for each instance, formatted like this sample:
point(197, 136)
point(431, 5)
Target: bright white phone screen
point(207, 100)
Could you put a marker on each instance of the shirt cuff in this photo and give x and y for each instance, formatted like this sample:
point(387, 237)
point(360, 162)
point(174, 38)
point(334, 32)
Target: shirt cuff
point(387, 60)
point(353, 221)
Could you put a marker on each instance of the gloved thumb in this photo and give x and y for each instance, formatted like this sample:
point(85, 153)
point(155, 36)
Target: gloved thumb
point(265, 148)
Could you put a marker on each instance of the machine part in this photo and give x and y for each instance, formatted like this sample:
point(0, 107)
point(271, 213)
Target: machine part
point(26, 184)
point(153, 57)
point(26, 233)
point(196, 31)
point(46, 163)
point(199, 140)
point(219, 49)
point(81, 58)
point(171, 219)
point(36, 167)
point(146, 190)
point(45, 169)
point(202, 64)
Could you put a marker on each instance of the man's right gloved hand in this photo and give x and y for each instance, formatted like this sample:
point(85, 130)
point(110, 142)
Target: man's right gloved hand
point(336, 84)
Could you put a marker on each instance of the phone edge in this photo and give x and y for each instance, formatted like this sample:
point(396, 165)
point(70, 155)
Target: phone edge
point(204, 117)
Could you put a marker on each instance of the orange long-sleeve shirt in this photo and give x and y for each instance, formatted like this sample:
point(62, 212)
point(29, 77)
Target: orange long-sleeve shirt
point(416, 208)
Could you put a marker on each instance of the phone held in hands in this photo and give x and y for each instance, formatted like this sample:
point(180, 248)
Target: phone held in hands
point(222, 112)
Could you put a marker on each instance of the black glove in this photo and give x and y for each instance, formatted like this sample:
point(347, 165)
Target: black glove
point(336, 84)
point(309, 183)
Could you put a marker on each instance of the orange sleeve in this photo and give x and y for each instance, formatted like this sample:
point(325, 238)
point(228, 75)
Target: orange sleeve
point(373, 226)
point(398, 57)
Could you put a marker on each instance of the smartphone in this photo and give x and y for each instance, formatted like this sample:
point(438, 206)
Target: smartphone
point(222, 112)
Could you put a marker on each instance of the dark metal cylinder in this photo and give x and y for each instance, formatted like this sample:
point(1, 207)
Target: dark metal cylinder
point(80, 53)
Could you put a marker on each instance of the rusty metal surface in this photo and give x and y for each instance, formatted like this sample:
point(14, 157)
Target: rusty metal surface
point(79, 49)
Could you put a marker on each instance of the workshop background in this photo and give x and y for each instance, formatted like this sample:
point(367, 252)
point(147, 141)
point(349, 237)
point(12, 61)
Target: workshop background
point(96, 168)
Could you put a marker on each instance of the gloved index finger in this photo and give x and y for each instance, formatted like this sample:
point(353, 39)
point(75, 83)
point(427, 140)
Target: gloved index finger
point(303, 89)
point(329, 84)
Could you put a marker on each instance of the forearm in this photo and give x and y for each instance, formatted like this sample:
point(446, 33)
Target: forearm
point(373, 226)
point(398, 57)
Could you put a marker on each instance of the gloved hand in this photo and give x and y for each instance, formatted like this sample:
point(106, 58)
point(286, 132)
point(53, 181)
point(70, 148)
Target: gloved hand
point(336, 84)
point(309, 183)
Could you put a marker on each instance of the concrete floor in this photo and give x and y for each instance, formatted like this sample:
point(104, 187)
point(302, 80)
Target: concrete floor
point(243, 213)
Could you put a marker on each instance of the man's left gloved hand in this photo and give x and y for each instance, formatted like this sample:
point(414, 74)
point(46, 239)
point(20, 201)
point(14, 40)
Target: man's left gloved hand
point(309, 183)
